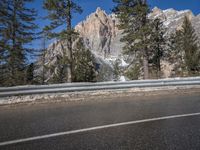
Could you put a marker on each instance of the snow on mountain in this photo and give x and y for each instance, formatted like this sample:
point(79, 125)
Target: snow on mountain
point(171, 18)
point(102, 36)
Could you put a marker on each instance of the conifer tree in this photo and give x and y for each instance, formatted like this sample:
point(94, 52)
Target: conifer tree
point(29, 74)
point(40, 76)
point(84, 70)
point(43, 57)
point(136, 29)
point(17, 29)
point(158, 45)
point(60, 13)
point(3, 42)
point(116, 70)
point(185, 45)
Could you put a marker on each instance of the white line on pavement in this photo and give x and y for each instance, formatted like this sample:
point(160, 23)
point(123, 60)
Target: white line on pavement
point(94, 128)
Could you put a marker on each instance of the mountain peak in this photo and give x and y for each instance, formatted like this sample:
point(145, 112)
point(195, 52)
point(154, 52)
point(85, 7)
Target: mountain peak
point(102, 36)
point(170, 10)
point(156, 9)
point(99, 10)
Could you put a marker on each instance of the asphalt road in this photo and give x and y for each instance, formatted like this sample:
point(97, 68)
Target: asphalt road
point(46, 122)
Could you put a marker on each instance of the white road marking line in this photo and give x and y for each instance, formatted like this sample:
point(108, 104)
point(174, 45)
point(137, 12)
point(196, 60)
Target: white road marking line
point(94, 128)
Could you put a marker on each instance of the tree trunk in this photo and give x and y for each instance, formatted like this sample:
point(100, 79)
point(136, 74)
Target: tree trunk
point(12, 59)
point(145, 67)
point(69, 27)
point(158, 68)
point(43, 58)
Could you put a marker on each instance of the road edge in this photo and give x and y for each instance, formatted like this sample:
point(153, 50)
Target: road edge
point(100, 94)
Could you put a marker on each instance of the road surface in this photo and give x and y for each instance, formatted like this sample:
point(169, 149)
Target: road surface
point(127, 123)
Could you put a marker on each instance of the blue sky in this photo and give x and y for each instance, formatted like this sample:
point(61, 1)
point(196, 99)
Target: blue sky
point(90, 6)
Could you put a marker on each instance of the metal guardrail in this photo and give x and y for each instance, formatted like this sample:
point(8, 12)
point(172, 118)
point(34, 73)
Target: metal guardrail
point(73, 87)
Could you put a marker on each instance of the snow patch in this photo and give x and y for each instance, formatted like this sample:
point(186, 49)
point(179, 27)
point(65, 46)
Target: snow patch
point(123, 63)
point(122, 79)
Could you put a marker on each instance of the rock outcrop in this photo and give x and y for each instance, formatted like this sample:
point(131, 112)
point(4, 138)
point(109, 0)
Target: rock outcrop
point(196, 24)
point(102, 37)
point(171, 18)
point(101, 34)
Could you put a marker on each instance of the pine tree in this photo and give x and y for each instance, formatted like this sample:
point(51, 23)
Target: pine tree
point(116, 70)
point(60, 13)
point(43, 57)
point(29, 74)
point(185, 45)
point(158, 45)
point(174, 44)
point(41, 67)
point(3, 41)
point(133, 72)
point(136, 29)
point(16, 31)
point(84, 70)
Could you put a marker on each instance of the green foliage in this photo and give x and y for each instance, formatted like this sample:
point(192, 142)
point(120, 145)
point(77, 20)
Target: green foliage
point(60, 13)
point(116, 70)
point(133, 73)
point(158, 46)
point(17, 29)
point(174, 47)
point(84, 69)
point(136, 28)
point(29, 74)
point(83, 65)
point(143, 38)
point(59, 76)
point(104, 73)
point(134, 23)
point(186, 50)
point(40, 67)
point(60, 10)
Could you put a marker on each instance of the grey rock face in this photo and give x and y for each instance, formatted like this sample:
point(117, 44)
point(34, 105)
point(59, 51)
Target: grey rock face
point(102, 37)
point(101, 34)
point(196, 24)
point(171, 18)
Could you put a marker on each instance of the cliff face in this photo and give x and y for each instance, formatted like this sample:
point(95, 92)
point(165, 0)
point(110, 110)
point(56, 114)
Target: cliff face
point(54, 52)
point(101, 34)
point(102, 37)
point(196, 24)
point(171, 18)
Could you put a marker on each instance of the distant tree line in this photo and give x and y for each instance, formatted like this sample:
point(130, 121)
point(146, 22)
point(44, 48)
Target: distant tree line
point(144, 39)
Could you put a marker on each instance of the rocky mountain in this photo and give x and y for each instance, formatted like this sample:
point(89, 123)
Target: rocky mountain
point(196, 24)
point(48, 62)
point(101, 35)
point(173, 19)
